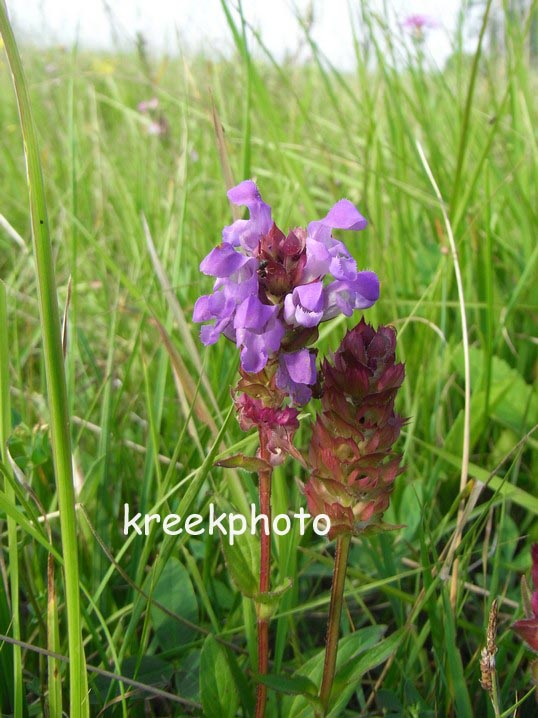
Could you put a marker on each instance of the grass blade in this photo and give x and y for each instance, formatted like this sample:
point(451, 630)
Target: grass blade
point(5, 430)
point(55, 373)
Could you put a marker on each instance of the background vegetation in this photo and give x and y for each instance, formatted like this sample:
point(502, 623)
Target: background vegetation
point(131, 216)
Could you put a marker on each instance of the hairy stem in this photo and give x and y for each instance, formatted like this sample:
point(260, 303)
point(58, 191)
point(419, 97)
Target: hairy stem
point(333, 626)
point(265, 575)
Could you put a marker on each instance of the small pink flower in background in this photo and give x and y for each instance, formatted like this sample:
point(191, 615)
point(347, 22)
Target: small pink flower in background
point(156, 123)
point(156, 128)
point(527, 628)
point(419, 22)
point(147, 105)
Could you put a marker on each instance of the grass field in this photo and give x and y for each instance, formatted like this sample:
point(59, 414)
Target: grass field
point(444, 165)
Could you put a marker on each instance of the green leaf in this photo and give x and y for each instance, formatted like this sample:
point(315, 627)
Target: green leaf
point(353, 670)
point(291, 685)
point(346, 679)
point(248, 463)
point(267, 603)
point(479, 419)
point(174, 591)
point(517, 407)
point(272, 597)
point(149, 670)
point(218, 691)
point(243, 561)
point(349, 648)
point(187, 676)
point(411, 508)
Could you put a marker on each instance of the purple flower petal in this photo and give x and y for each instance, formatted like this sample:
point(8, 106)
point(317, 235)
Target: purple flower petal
point(253, 314)
point(301, 366)
point(248, 233)
point(274, 333)
point(254, 355)
point(344, 297)
point(242, 283)
point(343, 215)
point(324, 253)
point(304, 306)
point(201, 312)
point(318, 260)
point(310, 296)
point(212, 306)
point(245, 193)
point(295, 373)
point(342, 266)
point(258, 332)
point(232, 233)
point(210, 333)
point(222, 261)
point(256, 346)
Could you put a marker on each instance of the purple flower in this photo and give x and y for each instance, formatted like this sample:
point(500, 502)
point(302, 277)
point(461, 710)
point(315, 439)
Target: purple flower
point(310, 304)
point(343, 297)
point(248, 232)
point(258, 331)
point(242, 283)
point(296, 374)
point(329, 257)
point(214, 307)
point(271, 292)
point(324, 253)
point(343, 215)
point(304, 306)
point(236, 280)
point(222, 261)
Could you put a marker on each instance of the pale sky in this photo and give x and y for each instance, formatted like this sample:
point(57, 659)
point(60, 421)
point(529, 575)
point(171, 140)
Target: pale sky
point(201, 23)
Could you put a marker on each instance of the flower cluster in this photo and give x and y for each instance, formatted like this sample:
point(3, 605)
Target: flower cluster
point(527, 628)
point(272, 290)
point(352, 463)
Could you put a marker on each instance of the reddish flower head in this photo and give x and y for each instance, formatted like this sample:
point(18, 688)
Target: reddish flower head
point(353, 465)
point(527, 628)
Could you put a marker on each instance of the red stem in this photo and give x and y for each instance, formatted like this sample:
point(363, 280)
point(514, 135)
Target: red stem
point(333, 625)
point(264, 479)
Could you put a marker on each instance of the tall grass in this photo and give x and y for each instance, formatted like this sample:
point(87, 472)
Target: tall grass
point(56, 397)
point(131, 216)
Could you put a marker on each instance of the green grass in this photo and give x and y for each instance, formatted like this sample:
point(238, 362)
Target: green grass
point(149, 405)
